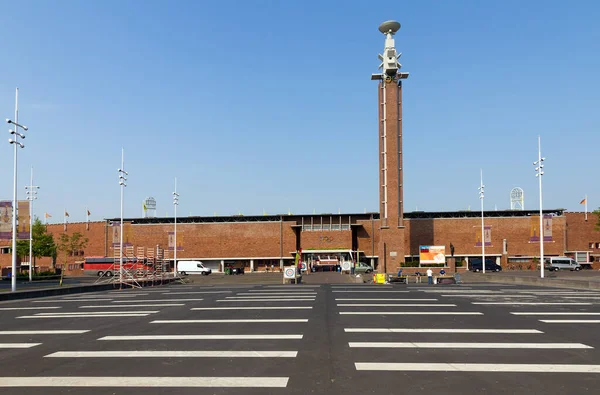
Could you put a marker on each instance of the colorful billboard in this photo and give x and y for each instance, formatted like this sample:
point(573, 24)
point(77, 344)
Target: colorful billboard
point(432, 254)
point(6, 220)
point(534, 236)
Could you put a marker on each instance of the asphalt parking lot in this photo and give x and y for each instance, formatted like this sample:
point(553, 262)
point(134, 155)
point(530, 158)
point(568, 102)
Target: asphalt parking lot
point(301, 339)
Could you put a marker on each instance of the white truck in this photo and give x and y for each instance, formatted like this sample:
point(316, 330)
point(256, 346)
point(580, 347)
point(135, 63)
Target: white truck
point(192, 267)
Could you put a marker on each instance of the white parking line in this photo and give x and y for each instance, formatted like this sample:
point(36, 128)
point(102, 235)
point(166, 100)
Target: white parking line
point(145, 381)
point(84, 316)
point(395, 305)
point(255, 308)
point(131, 305)
point(102, 312)
point(72, 300)
point(535, 303)
point(553, 313)
point(45, 332)
point(477, 367)
point(363, 291)
point(410, 313)
point(204, 337)
point(173, 354)
point(571, 321)
point(18, 345)
point(287, 300)
point(196, 292)
point(548, 346)
point(386, 299)
point(274, 294)
point(227, 321)
point(28, 308)
point(488, 296)
point(156, 300)
point(439, 330)
point(292, 297)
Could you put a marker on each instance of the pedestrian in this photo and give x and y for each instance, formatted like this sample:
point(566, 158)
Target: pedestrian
point(429, 276)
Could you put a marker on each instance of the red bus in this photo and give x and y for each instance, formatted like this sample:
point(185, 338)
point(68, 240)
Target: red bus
point(103, 266)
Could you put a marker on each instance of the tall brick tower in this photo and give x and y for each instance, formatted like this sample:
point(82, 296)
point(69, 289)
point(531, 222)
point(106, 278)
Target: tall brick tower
point(391, 248)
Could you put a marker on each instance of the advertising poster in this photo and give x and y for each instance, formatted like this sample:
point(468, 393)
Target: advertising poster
point(487, 231)
point(535, 228)
point(432, 254)
point(5, 220)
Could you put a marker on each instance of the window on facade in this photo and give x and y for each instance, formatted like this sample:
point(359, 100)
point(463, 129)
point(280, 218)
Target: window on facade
point(591, 245)
point(597, 245)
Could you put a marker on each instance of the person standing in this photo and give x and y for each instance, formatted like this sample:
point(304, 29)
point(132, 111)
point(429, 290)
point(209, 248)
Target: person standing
point(429, 276)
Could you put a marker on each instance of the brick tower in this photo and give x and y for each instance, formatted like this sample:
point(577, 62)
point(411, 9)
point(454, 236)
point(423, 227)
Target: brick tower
point(391, 249)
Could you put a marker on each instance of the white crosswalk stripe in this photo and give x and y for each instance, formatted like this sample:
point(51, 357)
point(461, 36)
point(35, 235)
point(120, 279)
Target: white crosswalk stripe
point(145, 381)
point(477, 367)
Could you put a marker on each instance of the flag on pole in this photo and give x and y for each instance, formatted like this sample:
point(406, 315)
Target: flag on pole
point(144, 206)
point(66, 213)
point(88, 212)
point(584, 201)
point(47, 215)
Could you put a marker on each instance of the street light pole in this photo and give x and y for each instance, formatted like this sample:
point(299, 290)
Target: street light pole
point(31, 196)
point(122, 183)
point(481, 195)
point(15, 142)
point(175, 204)
point(539, 173)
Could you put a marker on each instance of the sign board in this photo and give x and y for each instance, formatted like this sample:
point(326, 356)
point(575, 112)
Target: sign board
point(380, 278)
point(303, 266)
point(346, 265)
point(289, 272)
point(432, 254)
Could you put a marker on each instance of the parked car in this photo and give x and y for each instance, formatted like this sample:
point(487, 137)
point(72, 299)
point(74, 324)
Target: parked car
point(362, 267)
point(490, 265)
point(192, 267)
point(556, 263)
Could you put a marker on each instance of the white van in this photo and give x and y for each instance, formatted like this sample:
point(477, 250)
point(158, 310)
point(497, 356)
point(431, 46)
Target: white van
point(561, 262)
point(191, 267)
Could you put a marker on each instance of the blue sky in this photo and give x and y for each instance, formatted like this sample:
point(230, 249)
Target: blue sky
point(269, 104)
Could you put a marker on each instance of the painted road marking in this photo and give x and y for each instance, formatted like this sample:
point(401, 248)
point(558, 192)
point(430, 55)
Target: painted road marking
point(45, 332)
point(254, 308)
point(173, 354)
point(72, 300)
point(478, 367)
point(488, 296)
point(395, 305)
point(536, 303)
point(287, 300)
point(468, 345)
point(28, 308)
point(363, 291)
point(196, 292)
point(553, 313)
point(226, 321)
point(438, 330)
point(18, 345)
point(386, 299)
point(204, 337)
point(84, 316)
point(155, 300)
point(102, 312)
point(571, 321)
point(410, 313)
point(256, 294)
point(145, 381)
point(131, 305)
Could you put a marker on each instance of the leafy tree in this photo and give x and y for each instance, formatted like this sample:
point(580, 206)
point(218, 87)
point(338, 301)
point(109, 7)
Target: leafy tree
point(43, 243)
point(68, 245)
point(597, 212)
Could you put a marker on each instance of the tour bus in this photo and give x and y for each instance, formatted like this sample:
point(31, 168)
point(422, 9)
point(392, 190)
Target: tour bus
point(104, 266)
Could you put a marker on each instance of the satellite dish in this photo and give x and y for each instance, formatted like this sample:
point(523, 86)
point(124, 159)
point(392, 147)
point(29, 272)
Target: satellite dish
point(389, 27)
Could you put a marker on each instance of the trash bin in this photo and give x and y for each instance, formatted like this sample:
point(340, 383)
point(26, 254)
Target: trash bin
point(228, 270)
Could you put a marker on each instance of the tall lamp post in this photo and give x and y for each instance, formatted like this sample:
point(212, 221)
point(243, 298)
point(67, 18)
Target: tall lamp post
point(481, 195)
point(175, 204)
point(123, 184)
point(16, 143)
point(31, 196)
point(539, 172)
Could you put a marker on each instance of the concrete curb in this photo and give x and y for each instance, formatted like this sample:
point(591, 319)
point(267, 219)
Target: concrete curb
point(40, 293)
point(535, 281)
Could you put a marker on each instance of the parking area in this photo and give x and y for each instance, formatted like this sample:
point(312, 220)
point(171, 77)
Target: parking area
point(309, 338)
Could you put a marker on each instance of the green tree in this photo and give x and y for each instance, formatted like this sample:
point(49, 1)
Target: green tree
point(43, 243)
point(68, 245)
point(597, 212)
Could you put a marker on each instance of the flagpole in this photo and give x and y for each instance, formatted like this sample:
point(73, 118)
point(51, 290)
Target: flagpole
point(586, 207)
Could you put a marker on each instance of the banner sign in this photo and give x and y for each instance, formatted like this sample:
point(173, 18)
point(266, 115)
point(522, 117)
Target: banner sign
point(432, 254)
